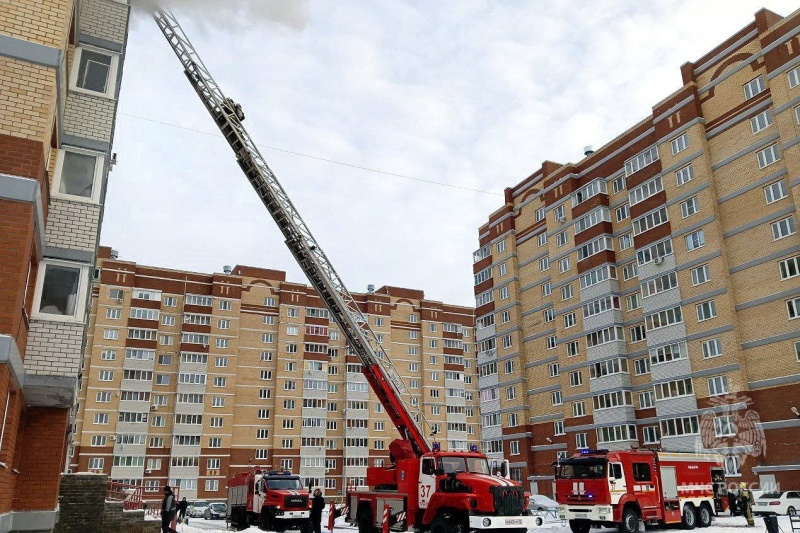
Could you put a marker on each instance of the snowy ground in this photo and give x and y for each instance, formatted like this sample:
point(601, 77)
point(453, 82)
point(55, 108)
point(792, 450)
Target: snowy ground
point(723, 524)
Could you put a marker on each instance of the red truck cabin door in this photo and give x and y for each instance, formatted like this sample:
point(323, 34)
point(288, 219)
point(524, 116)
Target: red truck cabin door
point(645, 487)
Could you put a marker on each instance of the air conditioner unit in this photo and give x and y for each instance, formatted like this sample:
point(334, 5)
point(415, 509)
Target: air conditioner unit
point(148, 471)
point(658, 260)
point(120, 299)
point(154, 408)
point(112, 438)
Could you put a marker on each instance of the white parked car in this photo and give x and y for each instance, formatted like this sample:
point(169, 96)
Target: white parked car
point(778, 503)
point(196, 508)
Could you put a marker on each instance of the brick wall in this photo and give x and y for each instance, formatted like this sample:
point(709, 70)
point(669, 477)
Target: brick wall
point(105, 19)
point(27, 20)
point(16, 243)
point(8, 478)
point(73, 225)
point(90, 117)
point(54, 348)
point(41, 458)
point(29, 96)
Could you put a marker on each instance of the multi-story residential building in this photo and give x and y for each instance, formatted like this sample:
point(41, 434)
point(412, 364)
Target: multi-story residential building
point(648, 295)
point(60, 71)
point(189, 378)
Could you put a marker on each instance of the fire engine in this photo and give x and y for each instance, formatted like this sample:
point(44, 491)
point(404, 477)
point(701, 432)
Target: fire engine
point(275, 501)
point(426, 487)
point(621, 488)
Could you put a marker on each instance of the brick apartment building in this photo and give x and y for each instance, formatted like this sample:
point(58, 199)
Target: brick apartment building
point(60, 68)
point(648, 295)
point(190, 378)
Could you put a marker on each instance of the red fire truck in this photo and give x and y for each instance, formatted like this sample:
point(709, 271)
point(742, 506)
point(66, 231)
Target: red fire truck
point(426, 487)
point(275, 501)
point(621, 488)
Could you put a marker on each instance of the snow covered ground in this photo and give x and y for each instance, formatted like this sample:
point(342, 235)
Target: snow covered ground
point(722, 524)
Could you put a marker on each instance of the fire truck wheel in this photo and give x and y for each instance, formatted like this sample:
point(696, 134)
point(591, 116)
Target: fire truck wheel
point(689, 516)
point(447, 523)
point(580, 526)
point(704, 516)
point(630, 521)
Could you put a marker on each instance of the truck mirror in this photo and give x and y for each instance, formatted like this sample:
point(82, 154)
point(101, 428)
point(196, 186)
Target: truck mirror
point(503, 470)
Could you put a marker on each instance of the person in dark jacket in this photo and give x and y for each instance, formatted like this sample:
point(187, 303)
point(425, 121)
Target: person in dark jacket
point(182, 506)
point(317, 505)
point(168, 510)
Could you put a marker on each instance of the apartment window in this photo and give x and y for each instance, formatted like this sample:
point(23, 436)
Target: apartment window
point(793, 308)
point(215, 442)
point(224, 305)
point(511, 393)
point(544, 263)
point(220, 381)
point(60, 287)
point(507, 341)
point(724, 426)
point(638, 333)
point(501, 246)
point(718, 385)
point(664, 318)
point(684, 175)
point(158, 421)
point(558, 428)
point(94, 71)
point(761, 121)
point(223, 324)
point(549, 315)
point(775, 191)
point(706, 310)
point(711, 348)
point(101, 419)
point(629, 271)
point(689, 207)
point(753, 87)
point(561, 239)
point(170, 301)
point(581, 440)
point(551, 342)
point(797, 351)
point(162, 379)
point(503, 293)
point(641, 160)
point(96, 463)
point(572, 349)
point(646, 190)
point(618, 185)
point(575, 378)
point(634, 301)
point(789, 268)
point(269, 320)
point(108, 355)
point(501, 271)
point(623, 212)
point(674, 389)
point(650, 434)
point(218, 401)
point(783, 228)
point(553, 369)
point(558, 213)
point(701, 274)
point(563, 264)
point(541, 239)
point(168, 320)
point(667, 353)
point(106, 375)
point(625, 241)
point(547, 288)
point(103, 397)
point(646, 400)
point(650, 221)
point(566, 292)
point(679, 144)
point(505, 317)
point(539, 214)
point(695, 240)
point(556, 398)
point(641, 366)
point(569, 320)
point(223, 343)
point(768, 155)
point(793, 77)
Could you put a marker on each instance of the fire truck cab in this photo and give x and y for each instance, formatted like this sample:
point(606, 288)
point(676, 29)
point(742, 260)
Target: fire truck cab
point(621, 488)
point(275, 501)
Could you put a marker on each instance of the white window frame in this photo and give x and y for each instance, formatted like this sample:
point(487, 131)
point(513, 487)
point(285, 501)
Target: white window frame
point(679, 143)
point(111, 86)
point(761, 121)
point(775, 191)
point(783, 228)
point(754, 87)
point(100, 159)
point(690, 207)
point(80, 304)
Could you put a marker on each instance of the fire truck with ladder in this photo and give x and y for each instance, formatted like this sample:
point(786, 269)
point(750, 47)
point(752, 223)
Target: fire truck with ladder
point(274, 500)
point(605, 488)
point(426, 488)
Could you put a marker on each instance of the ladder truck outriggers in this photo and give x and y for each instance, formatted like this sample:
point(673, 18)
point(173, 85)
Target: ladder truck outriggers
point(434, 490)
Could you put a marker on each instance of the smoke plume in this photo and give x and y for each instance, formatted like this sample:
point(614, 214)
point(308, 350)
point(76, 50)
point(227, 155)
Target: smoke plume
point(231, 14)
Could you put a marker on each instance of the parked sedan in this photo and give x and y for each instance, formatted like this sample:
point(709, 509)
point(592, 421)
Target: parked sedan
point(196, 508)
point(215, 510)
point(778, 503)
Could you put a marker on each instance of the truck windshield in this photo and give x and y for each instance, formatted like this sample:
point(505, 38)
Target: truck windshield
point(284, 484)
point(582, 468)
point(478, 465)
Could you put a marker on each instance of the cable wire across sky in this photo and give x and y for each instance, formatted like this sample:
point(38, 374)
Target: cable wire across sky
point(319, 158)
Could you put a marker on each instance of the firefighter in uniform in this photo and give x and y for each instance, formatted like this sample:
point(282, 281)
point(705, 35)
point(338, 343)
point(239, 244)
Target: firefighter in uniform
point(746, 503)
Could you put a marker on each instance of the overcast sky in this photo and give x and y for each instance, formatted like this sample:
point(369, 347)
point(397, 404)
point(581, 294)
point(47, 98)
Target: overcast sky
point(473, 95)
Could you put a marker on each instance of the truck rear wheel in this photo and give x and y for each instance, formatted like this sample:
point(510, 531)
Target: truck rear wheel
point(689, 516)
point(580, 526)
point(704, 515)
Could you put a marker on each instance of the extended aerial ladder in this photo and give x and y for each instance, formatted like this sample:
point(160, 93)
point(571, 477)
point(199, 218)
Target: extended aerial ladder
point(228, 116)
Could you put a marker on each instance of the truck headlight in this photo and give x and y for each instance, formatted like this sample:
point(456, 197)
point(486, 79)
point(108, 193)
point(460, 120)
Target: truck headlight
point(604, 510)
point(487, 522)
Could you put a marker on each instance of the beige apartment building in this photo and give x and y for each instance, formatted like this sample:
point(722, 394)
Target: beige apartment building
point(649, 294)
point(190, 378)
